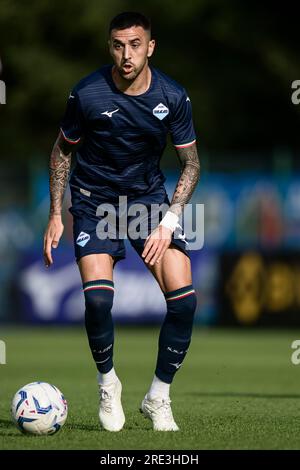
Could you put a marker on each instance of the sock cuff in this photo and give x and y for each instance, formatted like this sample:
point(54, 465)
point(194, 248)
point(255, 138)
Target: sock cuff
point(180, 293)
point(104, 284)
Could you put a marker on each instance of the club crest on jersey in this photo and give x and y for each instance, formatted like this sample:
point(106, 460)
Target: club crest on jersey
point(82, 239)
point(160, 111)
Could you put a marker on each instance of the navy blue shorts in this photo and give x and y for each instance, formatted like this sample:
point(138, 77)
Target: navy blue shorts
point(100, 226)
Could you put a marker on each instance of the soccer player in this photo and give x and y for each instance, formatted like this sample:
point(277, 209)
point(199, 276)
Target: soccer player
point(118, 119)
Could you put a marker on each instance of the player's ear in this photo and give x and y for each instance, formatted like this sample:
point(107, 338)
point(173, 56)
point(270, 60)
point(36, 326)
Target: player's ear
point(151, 47)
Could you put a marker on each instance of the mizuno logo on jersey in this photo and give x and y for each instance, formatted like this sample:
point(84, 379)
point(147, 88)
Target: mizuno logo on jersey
point(160, 111)
point(82, 239)
point(110, 113)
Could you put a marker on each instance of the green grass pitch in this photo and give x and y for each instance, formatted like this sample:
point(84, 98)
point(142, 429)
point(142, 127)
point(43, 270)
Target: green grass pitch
point(236, 390)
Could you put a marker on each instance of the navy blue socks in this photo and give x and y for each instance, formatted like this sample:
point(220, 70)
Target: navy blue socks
point(176, 331)
point(98, 322)
point(175, 334)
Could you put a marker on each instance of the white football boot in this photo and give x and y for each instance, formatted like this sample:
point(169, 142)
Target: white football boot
point(159, 411)
point(111, 413)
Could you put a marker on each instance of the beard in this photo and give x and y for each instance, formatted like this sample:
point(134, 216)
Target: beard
point(130, 73)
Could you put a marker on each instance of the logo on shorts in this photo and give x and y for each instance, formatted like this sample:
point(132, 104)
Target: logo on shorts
point(161, 111)
point(82, 239)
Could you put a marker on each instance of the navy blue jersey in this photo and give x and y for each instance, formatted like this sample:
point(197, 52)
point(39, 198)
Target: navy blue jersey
point(123, 137)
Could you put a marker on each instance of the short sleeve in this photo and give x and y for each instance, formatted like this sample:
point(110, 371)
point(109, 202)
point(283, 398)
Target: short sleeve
point(181, 124)
point(72, 123)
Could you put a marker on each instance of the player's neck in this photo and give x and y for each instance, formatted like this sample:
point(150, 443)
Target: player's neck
point(134, 87)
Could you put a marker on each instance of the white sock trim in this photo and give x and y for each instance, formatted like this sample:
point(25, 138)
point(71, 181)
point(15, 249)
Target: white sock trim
point(108, 378)
point(159, 388)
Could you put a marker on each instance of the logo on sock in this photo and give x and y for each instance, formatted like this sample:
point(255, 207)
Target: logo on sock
point(101, 362)
point(175, 350)
point(102, 350)
point(177, 364)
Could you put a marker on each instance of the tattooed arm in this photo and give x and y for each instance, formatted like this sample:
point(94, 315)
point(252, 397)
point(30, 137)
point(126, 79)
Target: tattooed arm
point(159, 240)
point(190, 172)
point(59, 169)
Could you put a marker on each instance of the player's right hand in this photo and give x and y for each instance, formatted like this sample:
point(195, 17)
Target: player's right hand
point(52, 236)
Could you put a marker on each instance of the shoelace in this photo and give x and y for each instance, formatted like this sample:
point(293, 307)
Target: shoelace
point(105, 400)
point(163, 406)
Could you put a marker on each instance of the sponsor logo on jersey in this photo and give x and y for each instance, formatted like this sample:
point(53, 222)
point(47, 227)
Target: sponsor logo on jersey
point(160, 111)
point(110, 113)
point(82, 239)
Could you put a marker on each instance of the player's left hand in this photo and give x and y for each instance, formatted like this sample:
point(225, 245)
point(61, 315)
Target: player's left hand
point(156, 245)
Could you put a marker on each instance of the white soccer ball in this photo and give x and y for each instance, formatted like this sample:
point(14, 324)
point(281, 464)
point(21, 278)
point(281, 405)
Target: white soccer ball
point(39, 408)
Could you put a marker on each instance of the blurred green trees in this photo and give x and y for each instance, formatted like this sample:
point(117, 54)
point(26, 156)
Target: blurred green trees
point(236, 59)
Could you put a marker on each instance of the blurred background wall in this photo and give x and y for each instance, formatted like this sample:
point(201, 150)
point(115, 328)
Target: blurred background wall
point(238, 61)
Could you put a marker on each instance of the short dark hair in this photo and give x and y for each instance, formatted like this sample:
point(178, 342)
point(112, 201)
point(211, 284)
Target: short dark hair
point(128, 19)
